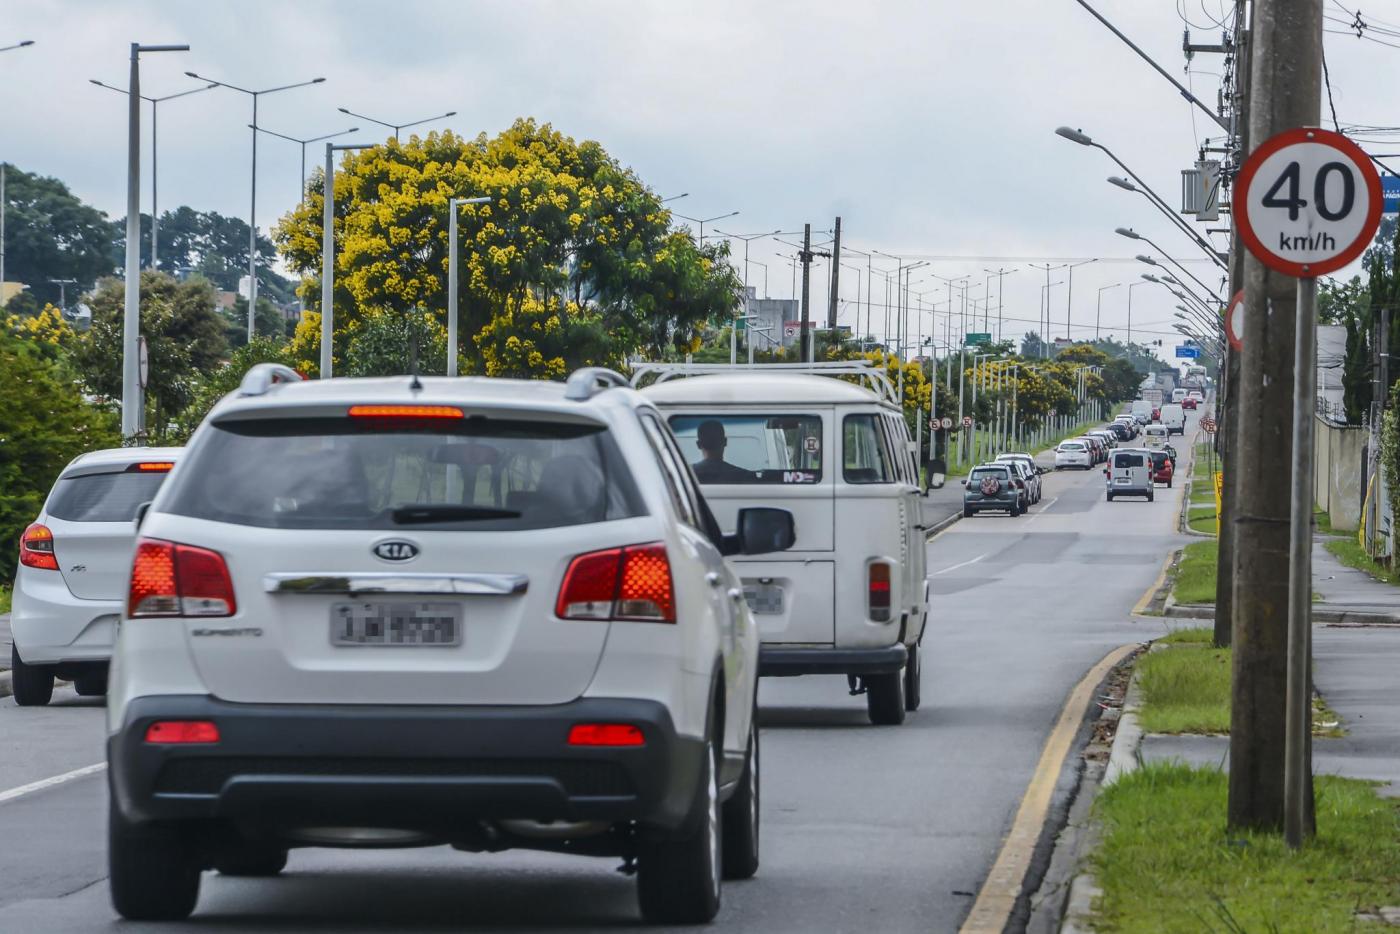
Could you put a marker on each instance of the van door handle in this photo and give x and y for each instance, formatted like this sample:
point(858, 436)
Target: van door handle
point(713, 579)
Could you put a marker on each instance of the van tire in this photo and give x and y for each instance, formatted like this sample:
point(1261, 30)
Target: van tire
point(1150, 495)
point(884, 698)
point(32, 684)
point(740, 816)
point(152, 870)
point(913, 688)
point(678, 876)
point(1110, 497)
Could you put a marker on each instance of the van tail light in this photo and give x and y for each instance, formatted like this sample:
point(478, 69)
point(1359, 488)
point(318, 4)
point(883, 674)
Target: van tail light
point(878, 579)
point(182, 732)
point(632, 584)
point(36, 548)
point(168, 579)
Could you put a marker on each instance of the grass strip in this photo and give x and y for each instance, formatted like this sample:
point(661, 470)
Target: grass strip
point(1322, 521)
point(1194, 634)
point(1185, 689)
point(1349, 551)
point(1195, 574)
point(4, 599)
point(1168, 864)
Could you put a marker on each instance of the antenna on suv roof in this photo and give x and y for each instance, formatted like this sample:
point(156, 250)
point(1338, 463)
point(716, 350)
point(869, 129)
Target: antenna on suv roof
point(415, 385)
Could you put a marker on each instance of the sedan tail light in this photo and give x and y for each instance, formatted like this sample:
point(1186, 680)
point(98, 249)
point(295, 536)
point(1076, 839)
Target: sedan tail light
point(878, 591)
point(169, 579)
point(36, 548)
point(632, 584)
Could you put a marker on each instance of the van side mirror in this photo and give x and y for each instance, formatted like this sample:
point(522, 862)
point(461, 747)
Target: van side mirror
point(762, 530)
point(141, 514)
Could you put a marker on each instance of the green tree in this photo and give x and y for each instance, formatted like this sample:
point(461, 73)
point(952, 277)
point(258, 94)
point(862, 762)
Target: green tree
point(51, 234)
point(209, 386)
point(44, 423)
point(566, 228)
point(184, 336)
point(210, 245)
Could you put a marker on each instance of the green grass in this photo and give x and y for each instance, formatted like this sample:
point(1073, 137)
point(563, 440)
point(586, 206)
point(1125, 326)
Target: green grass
point(1185, 689)
point(1349, 551)
point(1195, 634)
point(1195, 574)
point(1201, 519)
point(4, 599)
point(1323, 522)
point(1167, 862)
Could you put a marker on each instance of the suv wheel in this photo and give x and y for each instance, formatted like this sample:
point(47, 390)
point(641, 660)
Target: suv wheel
point(32, 684)
point(884, 698)
point(153, 873)
point(678, 877)
point(740, 822)
point(913, 689)
point(251, 859)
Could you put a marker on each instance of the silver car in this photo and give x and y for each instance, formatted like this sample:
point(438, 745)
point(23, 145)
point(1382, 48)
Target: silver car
point(1030, 473)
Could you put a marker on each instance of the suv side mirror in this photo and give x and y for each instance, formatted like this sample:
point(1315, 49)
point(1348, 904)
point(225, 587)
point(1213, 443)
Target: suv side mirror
point(762, 529)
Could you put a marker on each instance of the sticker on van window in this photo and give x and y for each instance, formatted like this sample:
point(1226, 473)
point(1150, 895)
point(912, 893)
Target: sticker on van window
point(811, 444)
point(799, 476)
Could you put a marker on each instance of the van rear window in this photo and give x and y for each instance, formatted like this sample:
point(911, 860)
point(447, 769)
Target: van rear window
point(729, 448)
point(1124, 461)
point(479, 474)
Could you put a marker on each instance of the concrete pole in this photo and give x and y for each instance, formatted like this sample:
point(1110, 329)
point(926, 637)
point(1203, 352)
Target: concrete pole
point(835, 278)
point(253, 233)
point(328, 264)
point(132, 399)
point(2, 227)
point(1285, 92)
point(452, 291)
point(155, 201)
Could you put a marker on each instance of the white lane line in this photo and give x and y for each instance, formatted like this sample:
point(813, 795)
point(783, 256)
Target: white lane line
point(1036, 515)
point(956, 566)
point(50, 782)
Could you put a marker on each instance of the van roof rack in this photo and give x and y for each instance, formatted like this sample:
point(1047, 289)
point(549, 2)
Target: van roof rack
point(586, 383)
point(262, 376)
point(869, 375)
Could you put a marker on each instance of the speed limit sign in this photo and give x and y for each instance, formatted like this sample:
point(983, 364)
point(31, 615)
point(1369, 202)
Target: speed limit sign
point(967, 421)
point(1234, 321)
point(946, 423)
point(1309, 202)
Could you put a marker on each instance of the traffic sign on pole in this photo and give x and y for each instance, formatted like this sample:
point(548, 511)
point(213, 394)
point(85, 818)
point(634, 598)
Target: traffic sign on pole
point(967, 421)
point(1234, 321)
point(143, 356)
point(977, 338)
point(946, 423)
point(1186, 352)
point(1308, 202)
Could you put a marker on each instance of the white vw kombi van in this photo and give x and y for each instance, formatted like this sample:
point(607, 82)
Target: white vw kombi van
point(850, 597)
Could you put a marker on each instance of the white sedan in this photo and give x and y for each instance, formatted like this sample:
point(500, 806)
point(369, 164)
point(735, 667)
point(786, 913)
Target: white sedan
point(1073, 454)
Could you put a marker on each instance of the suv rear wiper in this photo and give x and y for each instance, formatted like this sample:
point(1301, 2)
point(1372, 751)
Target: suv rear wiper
point(414, 515)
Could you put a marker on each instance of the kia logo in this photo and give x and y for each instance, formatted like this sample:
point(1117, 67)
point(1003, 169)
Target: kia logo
point(396, 550)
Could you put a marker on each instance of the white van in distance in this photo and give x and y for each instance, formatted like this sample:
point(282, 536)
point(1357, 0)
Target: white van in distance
point(1174, 417)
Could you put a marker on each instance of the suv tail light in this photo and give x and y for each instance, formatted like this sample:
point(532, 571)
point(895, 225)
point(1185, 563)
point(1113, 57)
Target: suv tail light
point(632, 584)
point(168, 579)
point(878, 599)
point(182, 732)
point(36, 548)
point(605, 734)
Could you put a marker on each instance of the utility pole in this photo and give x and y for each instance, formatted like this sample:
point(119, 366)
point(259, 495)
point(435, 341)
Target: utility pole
point(803, 337)
point(1285, 92)
point(835, 279)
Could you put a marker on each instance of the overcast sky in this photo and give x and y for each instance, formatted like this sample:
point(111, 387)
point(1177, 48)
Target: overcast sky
point(927, 126)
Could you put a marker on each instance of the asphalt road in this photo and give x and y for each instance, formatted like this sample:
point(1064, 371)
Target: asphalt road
point(865, 829)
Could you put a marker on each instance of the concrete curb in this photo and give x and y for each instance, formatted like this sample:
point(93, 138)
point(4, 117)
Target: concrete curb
point(1319, 615)
point(941, 525)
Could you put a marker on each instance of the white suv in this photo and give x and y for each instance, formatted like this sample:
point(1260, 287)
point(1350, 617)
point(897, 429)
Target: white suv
point(476, 612)
point(70, 582)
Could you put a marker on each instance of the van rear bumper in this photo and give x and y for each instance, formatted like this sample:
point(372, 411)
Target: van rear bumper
point(776, 661)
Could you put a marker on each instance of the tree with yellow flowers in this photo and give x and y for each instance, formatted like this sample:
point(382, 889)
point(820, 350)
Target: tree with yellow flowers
point(572, 261)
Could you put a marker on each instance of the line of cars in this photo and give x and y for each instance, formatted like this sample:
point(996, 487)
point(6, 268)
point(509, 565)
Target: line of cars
point(1009, 484)
point(482, 613)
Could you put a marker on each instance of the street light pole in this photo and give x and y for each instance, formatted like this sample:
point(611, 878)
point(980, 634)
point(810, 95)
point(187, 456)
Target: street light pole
point(700, 240)
point(1069, 300)
point(452, 278)
point(303, 143)
point(328, 255)
point(133, 403)
point(1130, 315)
point(1098, 306)
point(396, 127)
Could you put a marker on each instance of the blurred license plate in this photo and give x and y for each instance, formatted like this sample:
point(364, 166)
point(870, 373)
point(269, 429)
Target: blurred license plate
point(764, 599)
point(1123, 480)
point(396, 623)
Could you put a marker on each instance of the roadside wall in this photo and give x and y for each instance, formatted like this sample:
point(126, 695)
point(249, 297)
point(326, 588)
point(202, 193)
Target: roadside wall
point(1337, 479)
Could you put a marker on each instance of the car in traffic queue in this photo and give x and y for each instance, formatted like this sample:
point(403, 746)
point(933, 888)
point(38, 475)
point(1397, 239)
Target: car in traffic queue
point(1174, 417)
point(483, 613)
point(1096, 447)
point(1129, 473)
point(992, 487)
point(1162, 468)
point(829, 442)
point(1031, 473)
point(1073, 454)
point(1155, 436)
point(1189, 403)
point(1109, 438)
point(70, 582)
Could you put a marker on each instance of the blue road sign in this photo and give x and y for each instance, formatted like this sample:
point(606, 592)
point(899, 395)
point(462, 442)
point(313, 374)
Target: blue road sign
point(1187, 353)
point(1390, 194)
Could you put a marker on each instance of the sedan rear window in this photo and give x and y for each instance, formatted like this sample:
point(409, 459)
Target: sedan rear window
point(1071, 446)
point(103, 497)
point(480, 474)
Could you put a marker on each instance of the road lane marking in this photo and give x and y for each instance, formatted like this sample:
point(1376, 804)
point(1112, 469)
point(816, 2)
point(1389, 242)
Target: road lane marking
point(51, 782)
point(956, 566)
point(1145, 603)
point(997, 899)
point(1043, 509)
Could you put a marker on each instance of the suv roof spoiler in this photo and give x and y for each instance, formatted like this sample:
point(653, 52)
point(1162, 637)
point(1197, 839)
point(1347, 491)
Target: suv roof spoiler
point(870, 376)
point(263, 376)
point(584, 384)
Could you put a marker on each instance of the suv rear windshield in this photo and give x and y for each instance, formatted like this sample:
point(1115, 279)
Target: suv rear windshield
point(751, 448)
point(103, 497)
point(1001, 473)
point(479, 474)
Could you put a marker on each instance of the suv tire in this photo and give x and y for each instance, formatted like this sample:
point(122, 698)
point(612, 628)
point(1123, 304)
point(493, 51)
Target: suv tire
point(884, 698)
point(967, 512)
point(740, 817)
point(251, 859)
point(153, 873)
point(32, 684)
point(678, 876)
point(913, 689)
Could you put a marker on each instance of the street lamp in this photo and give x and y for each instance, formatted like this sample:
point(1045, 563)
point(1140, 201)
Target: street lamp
point(155, 114)
point(746, 238)
point(684, 194)
point(328, 255)
point(1134, 235)
point(702, 222)
point(1000, 274)
point(1069, 299)
point(303, 143)
point(397, 126)
point(1130, 313)
point(1083, 139)
point(1098, 306)
point(1155, 200)
point(452, 204)
point(133, 403)
point(253, 198)
point(17, 45)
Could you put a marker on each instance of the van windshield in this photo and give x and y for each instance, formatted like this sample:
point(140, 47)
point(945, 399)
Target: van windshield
point(732, 448)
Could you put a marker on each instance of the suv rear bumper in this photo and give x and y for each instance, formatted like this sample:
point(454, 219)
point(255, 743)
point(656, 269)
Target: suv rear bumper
point(776, 661)
point(283, 766)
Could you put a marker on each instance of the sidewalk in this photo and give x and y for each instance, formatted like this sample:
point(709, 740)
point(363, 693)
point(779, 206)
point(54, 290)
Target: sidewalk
point(1355, 670)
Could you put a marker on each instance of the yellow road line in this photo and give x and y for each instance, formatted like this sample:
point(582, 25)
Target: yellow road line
point(992, 910)
point(1146, 602)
